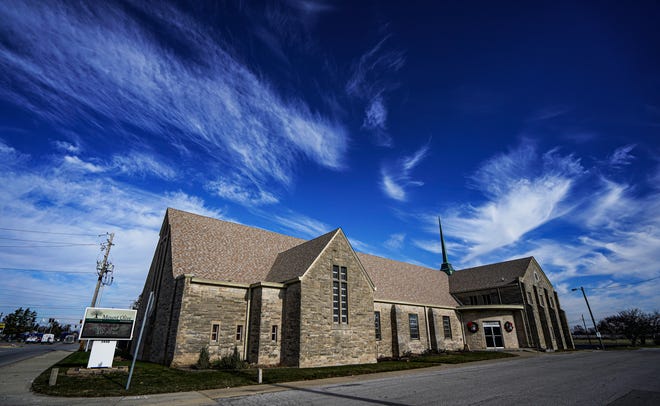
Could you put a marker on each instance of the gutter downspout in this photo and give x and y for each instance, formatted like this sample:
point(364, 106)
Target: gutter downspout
point(466, 347)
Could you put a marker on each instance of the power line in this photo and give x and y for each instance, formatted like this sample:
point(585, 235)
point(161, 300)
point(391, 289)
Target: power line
point(49, 232)
point(42, 270)
point(43, 246)
point(618, 286)
point(18, 239)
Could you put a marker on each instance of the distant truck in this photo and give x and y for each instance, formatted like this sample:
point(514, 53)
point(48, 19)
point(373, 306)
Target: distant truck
point(47, 338)
point(69, 339)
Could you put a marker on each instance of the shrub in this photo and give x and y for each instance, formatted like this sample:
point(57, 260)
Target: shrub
point(204, 361)
point(232, 361)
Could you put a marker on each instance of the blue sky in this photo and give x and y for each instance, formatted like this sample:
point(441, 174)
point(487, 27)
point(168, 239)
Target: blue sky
point(531, 129)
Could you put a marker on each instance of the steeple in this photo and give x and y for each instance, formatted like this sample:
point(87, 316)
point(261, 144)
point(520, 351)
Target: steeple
point(446, 266)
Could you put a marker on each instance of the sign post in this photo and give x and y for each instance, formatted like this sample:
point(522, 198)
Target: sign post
point(104, 327)
point(147, 313)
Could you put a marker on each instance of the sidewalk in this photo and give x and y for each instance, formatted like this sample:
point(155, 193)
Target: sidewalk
point(16, 379)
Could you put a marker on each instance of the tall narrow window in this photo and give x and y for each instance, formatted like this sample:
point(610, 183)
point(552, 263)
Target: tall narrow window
point(339, 294)
point(446, 325)
point(273, 334)
point(414, 326)
point(239, 332)
point(215, 332)
point(377, 324)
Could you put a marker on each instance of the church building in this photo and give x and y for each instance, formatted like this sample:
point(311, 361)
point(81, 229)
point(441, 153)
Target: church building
point(280, 300)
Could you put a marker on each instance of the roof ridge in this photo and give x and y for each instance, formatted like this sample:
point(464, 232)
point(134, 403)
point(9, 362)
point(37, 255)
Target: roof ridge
point(498, 263)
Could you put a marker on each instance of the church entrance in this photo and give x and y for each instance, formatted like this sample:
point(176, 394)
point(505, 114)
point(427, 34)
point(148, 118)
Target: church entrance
point(493, 332)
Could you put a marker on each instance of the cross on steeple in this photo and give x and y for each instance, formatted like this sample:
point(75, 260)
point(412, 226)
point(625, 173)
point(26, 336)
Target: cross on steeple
point(446, 266)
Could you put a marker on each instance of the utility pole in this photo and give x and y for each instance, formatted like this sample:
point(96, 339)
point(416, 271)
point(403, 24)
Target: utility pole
point(103, 267)
point(585, 330)
point(600, 339)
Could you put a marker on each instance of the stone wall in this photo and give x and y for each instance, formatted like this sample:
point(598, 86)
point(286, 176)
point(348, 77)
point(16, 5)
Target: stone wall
point(438, 340)
point(407, 344)
point(384, 346)
point(162, 324)
point(477, 341)
point(322, 341)
point(204, 305)
point(290, 352)
point(265, 312)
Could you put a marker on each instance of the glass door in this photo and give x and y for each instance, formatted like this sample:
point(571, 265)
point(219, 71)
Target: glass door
point(493, 332)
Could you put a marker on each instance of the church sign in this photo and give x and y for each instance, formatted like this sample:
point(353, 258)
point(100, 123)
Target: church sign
point(108, 324)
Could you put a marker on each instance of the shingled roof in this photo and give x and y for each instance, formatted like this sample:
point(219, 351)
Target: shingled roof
point(403, 282)
point(489, 276)
point(224, 251)
point(297, 260)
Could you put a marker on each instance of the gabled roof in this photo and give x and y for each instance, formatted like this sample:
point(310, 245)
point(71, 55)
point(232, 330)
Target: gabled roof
point(489, 276)
point(221, 250)
point(229, 252)
point(403, 282)
point(296, 261)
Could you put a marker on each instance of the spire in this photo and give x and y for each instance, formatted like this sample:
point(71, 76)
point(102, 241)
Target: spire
point(446, 266)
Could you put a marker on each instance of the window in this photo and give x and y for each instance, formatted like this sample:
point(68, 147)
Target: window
point(339, 294)
point(473, 300)
point(414, 326)
point(446, 325)
point(215, 332)
point(239, 332)
point(486, 299)
point(273, 333)
point(377, 324)
point(541, 299)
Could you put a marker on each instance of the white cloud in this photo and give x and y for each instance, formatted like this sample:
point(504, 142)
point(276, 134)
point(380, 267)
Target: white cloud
point(141, 164)
point(396, 178)
point(370, 81)
point(522, 195)
point(622, 156)
point(76, 163)
point(429, 245)
point(44, 201)
point(395, 241)
point(304, 226)
point(375, 117)
point(239, 191)
point(66, 146)
point(206, 102)
point(9, 155)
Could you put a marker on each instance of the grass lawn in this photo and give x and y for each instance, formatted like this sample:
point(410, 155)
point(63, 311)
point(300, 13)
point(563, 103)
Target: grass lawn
point(151, 378)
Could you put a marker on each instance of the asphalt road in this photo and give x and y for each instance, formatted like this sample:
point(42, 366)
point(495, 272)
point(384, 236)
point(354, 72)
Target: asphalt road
point(584, 378)
point(20, 351)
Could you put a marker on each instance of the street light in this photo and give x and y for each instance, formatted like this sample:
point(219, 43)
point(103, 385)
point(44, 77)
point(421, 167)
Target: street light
point(600, 340)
